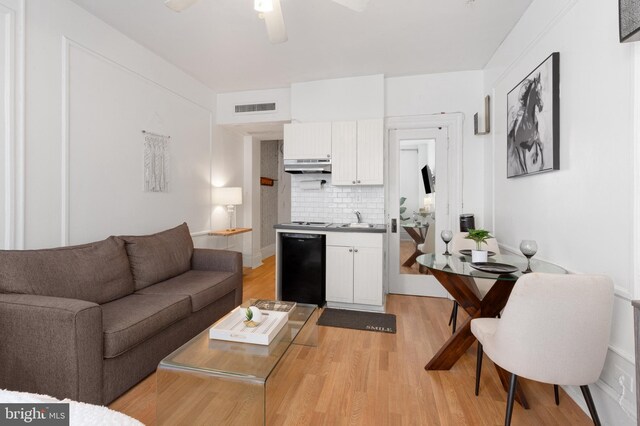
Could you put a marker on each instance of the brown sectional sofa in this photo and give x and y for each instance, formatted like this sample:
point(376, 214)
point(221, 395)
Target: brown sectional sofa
point(88, 322)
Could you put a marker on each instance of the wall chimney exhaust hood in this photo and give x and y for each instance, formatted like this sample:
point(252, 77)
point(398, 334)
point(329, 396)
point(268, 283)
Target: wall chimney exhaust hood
point(307, 166)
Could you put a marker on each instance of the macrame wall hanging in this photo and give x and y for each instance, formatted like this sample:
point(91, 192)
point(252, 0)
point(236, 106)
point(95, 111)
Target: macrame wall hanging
point(156, 162)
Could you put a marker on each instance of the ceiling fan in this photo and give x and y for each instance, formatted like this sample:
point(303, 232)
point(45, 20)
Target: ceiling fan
point(271, 12)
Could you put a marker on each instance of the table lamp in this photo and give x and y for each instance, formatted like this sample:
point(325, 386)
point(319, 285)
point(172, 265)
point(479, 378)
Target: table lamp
point(230, 197)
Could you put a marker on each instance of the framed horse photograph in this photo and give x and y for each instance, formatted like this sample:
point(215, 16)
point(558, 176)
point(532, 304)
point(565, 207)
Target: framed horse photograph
point(533, 121)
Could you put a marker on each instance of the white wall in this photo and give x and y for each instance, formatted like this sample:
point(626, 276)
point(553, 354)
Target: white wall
point(12, 123)
point(582, 215)
point(338, 99)
point(447, 93)
point(227, 157)
point(105, 152)
point(226, 103)
point(284, 188)
point(89, 92)
point(269, 194)
point(252, 253)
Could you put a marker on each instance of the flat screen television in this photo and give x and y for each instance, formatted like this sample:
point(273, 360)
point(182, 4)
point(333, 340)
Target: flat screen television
point(427, 179)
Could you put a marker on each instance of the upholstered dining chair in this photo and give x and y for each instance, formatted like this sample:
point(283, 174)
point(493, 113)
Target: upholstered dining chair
point(460, 242)
point(429, 245)
point(554, 329)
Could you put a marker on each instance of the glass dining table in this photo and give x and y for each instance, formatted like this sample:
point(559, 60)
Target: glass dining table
point(456, 274)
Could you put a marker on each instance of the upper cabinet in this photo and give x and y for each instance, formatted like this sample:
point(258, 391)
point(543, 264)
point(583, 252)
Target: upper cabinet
point(304, 141)
point(357, 151)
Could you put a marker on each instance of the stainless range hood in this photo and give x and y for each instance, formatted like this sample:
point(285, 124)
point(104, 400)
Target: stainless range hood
point(307, 166)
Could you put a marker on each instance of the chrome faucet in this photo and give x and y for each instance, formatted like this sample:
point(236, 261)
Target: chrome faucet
point(358, 215)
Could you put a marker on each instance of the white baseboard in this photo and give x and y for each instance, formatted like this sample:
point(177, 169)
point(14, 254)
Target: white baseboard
point(356, 307)
point(610, 411)
point(268, 251)
point(252, 260)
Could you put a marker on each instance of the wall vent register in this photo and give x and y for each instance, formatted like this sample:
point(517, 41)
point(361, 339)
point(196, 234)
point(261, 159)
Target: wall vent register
point(253, 108)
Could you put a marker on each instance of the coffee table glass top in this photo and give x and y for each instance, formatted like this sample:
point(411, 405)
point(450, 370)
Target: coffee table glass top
point(242, 360)
point(461, 265)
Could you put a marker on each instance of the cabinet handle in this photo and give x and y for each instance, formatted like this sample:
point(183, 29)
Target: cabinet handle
point(350, 250)
point(356, 250)
point(358, 181)
point(353, 182)
point(328, 155)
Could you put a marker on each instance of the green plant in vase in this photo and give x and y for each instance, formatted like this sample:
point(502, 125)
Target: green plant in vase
point(252, 316)
point(480, 236)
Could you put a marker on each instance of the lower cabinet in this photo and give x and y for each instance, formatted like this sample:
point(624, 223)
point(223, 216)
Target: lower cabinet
point(355, 269)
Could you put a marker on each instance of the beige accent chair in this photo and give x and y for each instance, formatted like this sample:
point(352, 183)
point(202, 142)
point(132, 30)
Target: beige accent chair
point(460, 242)
point(554, 329)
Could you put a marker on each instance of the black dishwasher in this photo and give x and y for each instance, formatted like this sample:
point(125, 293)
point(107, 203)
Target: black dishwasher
point(302, 268)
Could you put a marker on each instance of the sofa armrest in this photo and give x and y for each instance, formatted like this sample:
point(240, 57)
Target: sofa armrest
point(51, 345)
point(220, 260)
point(216, 260)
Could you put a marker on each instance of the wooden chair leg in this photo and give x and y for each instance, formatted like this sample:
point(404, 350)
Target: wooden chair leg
point(556, 393)
point(512, 393)
point(478, 368)
point(592, 408)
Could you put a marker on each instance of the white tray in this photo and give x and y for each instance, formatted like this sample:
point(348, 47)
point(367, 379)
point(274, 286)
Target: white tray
point(231, 327)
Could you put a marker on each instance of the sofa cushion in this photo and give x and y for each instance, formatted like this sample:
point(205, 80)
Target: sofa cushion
point(135, 318)
point(96, 272)
point(160, 256)
point(203, 287)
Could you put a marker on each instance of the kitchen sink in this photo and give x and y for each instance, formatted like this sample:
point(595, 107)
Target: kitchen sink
point(357, 225)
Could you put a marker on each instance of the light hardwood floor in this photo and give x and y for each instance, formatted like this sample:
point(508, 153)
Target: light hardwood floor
point(369, 378)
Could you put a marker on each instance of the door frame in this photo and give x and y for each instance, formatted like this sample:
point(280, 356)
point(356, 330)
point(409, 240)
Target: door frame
point(453, 123)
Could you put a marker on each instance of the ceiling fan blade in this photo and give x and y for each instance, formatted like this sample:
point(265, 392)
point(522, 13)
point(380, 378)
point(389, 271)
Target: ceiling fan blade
point(274, 22)
point(179, 5)
point(355, 5)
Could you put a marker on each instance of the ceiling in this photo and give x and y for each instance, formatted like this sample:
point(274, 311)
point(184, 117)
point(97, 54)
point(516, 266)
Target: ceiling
point(223, 43)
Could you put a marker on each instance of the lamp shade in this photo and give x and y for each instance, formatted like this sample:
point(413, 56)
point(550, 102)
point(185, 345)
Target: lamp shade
point(227, 196)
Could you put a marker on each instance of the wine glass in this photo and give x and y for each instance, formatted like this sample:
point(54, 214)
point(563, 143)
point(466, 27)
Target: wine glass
point(529, 248)
point(446, 236)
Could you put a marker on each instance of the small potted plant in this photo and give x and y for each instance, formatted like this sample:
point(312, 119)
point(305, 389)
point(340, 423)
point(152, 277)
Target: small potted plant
point(480, 236)
point(252, 316)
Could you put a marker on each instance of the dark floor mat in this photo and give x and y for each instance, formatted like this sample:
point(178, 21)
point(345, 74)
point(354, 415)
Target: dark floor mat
point(369, 321)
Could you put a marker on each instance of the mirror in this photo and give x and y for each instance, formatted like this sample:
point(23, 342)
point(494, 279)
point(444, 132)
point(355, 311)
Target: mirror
point(417, 201)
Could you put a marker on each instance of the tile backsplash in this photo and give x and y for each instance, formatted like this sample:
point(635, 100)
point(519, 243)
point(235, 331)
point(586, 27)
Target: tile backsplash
point(335, 203)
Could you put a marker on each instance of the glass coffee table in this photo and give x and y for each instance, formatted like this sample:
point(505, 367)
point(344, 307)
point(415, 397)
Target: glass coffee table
point(209, 381)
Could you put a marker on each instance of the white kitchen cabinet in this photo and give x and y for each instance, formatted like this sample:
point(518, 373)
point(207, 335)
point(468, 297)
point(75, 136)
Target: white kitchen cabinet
point(357, 152)
point(304, 141)
point(339, 274)
point(367, 275)
point(354, 272)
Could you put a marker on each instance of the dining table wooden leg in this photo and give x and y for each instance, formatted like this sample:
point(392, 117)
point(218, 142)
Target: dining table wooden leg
point(418, 238)
point(453, 349)
point(463, 291)
point(411, 260)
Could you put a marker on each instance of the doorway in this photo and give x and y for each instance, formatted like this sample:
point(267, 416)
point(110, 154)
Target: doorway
point(423, 198)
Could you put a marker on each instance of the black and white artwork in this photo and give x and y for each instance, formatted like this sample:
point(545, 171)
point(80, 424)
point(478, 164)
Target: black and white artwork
point(533, 121)
point(629, 17)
